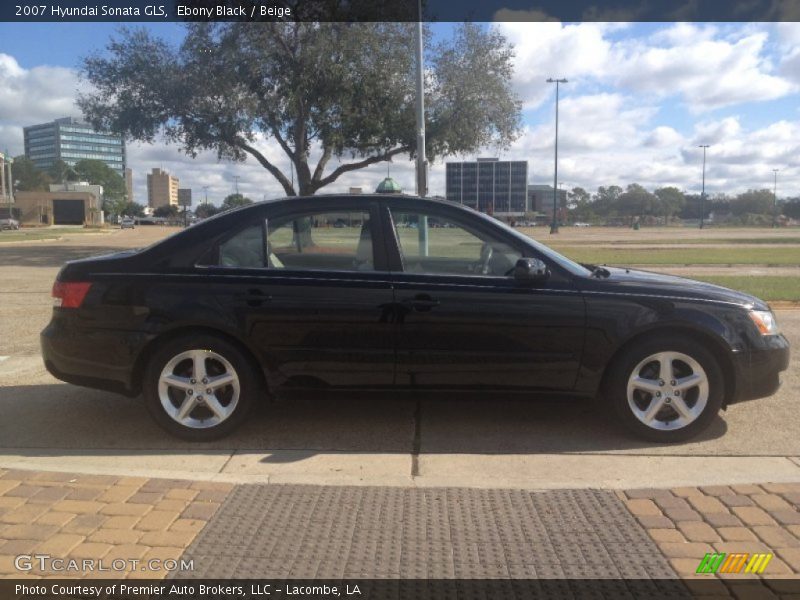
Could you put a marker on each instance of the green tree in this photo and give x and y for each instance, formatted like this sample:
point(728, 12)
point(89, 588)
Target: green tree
point(635, 201)
point(27, 178)
point(605, 200)
point(132, 209)
point(166, 211)
point(62, 172)
point(344, 91)
point(235, 201)
point(580, 204)
point(97, 172)
point(791, 208)
point(205, 210)
point(756, 202)
point(670, 201)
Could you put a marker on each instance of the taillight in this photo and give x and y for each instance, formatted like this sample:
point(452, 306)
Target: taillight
point(70, 294)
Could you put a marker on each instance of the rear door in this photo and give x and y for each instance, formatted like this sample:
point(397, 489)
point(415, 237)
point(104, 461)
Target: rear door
point(310, 289)
point(463, 320)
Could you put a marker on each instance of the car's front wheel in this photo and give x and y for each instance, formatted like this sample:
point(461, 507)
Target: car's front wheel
point(668, 389)
point(199, 388)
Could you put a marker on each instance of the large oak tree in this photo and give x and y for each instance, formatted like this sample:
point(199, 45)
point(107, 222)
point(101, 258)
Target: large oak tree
point(343, 90)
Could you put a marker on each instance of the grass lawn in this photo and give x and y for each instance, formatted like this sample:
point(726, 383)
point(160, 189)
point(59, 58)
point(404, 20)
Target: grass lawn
point(22, 235)
point(765, 287)
point(683, 256)
point(678, 240)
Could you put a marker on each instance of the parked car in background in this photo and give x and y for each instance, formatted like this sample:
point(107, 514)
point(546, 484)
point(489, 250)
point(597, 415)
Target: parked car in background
point(127, 223)
point(10, 224)
point(210, 321)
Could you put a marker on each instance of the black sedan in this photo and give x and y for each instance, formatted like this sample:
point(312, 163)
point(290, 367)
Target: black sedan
point(381, 291)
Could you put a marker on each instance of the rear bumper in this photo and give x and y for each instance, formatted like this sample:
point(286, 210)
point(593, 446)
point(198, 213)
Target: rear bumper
point(97, 359)
point(758, 370)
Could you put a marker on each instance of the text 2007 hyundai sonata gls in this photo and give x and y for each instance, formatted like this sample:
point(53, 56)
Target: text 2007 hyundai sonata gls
point(380, 291)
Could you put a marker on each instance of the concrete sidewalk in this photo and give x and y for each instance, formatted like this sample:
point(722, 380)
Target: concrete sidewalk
point(377, 532)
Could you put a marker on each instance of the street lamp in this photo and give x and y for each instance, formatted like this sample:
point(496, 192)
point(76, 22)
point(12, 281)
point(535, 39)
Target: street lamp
point(554, 225)
point(775, 200)
point(703, 193)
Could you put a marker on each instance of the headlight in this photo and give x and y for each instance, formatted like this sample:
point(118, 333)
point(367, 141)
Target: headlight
point(765, 321)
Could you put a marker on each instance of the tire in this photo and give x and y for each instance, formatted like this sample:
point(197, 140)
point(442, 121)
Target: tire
point(173, 377)
point(652, 406)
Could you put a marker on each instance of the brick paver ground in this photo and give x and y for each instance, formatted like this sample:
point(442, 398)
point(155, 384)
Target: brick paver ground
point(325, 532)
point(69, 516)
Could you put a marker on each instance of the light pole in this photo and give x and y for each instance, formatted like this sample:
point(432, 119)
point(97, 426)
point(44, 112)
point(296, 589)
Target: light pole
point(236, 184)
point(775, 200)
point(554, 224)
point(422, 166)
point(703, 192)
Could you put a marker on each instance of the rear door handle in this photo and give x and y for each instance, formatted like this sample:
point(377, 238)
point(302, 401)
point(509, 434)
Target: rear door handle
point(421, 302)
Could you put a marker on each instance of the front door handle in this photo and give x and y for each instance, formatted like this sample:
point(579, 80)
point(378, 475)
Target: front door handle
point(421, 302)
point(253, 297)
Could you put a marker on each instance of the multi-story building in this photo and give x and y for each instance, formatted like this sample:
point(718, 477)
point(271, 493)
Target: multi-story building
point(497, 187)
point(541, 199)
point(162, 189)
point(71, 140)
point(129, 185)
point(6, 180)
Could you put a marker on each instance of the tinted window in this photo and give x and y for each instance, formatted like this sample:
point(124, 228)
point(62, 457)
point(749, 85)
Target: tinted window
point(245, 249)
point(326, 241)
point(451, 249)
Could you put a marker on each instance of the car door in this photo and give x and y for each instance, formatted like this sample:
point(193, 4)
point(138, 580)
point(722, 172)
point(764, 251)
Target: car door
point(312, 294)
point(463, 320)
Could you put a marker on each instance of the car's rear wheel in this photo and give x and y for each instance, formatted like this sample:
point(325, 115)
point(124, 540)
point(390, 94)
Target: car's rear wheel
point(199, 388)
point(667, 389)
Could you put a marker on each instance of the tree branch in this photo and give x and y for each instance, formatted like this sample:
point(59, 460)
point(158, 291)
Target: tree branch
point(342, 169)
point(326, 156)
point(275, 171)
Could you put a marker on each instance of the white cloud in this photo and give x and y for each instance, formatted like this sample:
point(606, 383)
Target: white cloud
point(30, 96)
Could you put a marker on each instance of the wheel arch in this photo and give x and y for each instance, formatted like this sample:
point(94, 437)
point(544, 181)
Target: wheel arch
point(712, 343)
point(149, 350)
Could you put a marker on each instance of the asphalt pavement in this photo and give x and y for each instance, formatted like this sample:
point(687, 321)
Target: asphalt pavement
point(448, 438)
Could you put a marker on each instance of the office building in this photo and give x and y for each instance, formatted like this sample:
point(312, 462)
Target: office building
point(540, 199)
point(497, 187)
point(162, 189)
point(6, 179)
point(71, 141)
point(129, 185)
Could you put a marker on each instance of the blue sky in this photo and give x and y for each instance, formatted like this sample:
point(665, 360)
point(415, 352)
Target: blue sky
point(641, 97)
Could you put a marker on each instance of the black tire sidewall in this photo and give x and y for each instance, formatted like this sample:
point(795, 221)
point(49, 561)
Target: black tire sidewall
point(248, 383)
point(617, 389)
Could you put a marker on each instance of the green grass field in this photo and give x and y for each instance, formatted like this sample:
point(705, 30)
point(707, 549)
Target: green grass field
point(22, 235)
point(682, 256)
point(765, 287)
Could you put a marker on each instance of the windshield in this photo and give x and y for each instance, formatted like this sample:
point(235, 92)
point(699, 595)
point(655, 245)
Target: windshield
point(561, 260)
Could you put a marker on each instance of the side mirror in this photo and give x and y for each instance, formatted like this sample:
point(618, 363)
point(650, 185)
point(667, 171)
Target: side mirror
point(531, 270)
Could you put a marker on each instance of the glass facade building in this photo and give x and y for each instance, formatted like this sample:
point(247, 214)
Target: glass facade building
point(71, 141)
point(492, 186)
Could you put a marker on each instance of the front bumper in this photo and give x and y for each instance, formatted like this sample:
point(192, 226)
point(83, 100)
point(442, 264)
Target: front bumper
point(758, 370)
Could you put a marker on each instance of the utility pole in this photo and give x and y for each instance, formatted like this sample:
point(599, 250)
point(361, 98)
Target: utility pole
point(205, 190)
point(775, 200)
point(422, 173)
point(703, 192)
point(236, 184)
point(554, 224)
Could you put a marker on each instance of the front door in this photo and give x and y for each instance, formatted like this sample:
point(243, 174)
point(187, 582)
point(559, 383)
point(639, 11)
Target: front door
point(465, 321)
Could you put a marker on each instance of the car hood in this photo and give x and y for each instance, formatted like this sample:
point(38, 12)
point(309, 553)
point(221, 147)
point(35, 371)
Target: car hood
point(658, 284)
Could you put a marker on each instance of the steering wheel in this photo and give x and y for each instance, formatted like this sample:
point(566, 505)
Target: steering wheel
point(486, 255)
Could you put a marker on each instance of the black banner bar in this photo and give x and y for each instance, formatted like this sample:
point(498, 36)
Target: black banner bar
point(385, 589)
point(398, 10)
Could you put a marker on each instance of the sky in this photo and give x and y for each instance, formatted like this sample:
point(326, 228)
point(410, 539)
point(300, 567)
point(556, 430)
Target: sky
point(640, 99)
